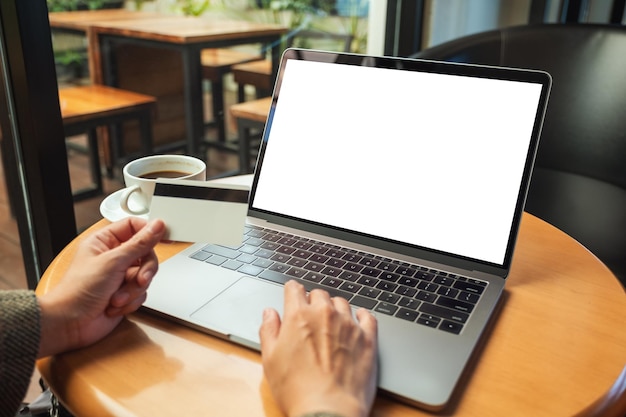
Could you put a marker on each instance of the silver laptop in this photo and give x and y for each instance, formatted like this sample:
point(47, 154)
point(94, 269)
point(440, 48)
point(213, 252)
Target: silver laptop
point(398, 184)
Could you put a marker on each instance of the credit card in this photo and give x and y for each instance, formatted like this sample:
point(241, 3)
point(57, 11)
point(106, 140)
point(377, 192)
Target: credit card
point(198, 211)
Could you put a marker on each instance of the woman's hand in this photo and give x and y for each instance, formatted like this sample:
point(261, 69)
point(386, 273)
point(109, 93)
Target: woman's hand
point(318, 358)
point(108, 278)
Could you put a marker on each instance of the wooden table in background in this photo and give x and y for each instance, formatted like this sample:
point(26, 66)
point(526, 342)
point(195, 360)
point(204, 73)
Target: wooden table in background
point(159, 55)
point(557, 347)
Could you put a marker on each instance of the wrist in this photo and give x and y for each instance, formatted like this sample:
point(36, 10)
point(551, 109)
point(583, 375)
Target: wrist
point(330, 406)
point(56, 333)
point(321, 414)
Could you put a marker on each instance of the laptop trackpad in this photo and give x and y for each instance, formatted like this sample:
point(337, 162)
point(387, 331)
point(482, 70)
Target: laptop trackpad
point(237, 312)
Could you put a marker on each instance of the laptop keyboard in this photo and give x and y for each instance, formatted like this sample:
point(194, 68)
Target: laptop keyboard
point(410, 292)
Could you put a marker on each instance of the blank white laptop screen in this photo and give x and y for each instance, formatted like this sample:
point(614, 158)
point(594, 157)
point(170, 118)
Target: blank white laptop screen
point(429, 159)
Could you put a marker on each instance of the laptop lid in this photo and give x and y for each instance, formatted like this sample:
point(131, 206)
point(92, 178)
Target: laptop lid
point(427, 159)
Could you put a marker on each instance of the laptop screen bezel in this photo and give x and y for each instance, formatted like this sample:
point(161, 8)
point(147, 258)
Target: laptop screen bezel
point(406, 64)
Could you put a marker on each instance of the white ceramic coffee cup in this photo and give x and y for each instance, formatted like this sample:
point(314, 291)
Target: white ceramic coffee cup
point(140, 176)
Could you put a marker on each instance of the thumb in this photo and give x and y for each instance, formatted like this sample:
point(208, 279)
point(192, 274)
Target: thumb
point(141, 242)
point(270, 327)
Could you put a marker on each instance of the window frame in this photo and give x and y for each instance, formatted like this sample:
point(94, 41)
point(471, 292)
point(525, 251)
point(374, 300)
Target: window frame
point(33, 143)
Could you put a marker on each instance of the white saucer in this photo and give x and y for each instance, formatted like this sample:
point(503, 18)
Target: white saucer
point(111, 210)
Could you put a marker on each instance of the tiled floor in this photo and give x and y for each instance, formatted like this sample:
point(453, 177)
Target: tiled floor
point(12, 272)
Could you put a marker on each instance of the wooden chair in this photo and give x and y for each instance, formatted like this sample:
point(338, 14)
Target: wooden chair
point(85, 108)
point(249, 115)
point(216, 63)
point(259, 73)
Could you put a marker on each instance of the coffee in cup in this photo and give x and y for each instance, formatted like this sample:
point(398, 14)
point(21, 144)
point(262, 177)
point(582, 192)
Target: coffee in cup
point(140, 177)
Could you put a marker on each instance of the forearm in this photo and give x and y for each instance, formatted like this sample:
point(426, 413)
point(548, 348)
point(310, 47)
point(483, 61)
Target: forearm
point(19, 343)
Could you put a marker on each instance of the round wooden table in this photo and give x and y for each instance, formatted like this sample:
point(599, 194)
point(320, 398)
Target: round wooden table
point(557, 348)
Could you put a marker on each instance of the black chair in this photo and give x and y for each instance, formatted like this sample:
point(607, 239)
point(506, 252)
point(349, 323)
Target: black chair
point(579, 182)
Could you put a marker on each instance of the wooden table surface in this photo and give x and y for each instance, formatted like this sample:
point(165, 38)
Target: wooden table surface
point(187, 29)
point(557, 346)
point(154, 25)
point(81, 20)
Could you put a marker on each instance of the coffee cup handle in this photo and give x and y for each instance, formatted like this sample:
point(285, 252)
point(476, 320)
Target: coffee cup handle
point(124, 200)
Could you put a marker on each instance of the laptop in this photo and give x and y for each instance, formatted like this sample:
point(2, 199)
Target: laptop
point(395, 183)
